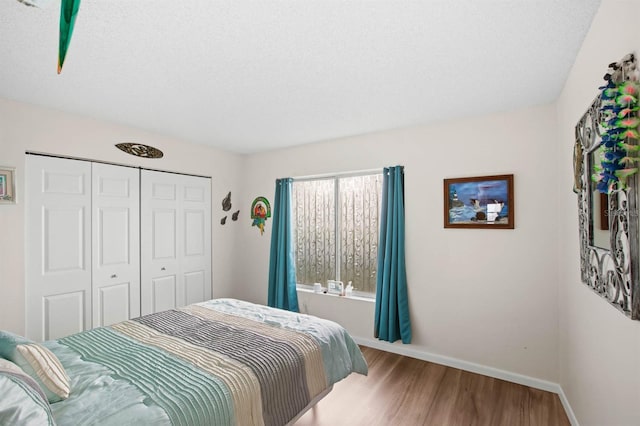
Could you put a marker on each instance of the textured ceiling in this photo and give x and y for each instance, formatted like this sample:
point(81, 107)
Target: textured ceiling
point(249, 76)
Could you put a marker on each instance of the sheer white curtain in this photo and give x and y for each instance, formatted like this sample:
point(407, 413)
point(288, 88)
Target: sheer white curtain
point(359, 224)
point(314, 206)
point(336, 224)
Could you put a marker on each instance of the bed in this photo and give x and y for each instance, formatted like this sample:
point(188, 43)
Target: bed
point(220, 362)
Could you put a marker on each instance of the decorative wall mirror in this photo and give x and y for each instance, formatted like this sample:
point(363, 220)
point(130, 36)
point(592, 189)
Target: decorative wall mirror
point(607, 196)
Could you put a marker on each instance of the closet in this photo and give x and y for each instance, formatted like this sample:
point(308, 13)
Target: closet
point(106, 243)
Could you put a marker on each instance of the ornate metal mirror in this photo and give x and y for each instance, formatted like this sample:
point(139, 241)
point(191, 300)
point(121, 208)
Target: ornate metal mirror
point(608, 222)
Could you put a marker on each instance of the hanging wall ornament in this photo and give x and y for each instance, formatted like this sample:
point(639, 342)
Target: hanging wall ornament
point(226, 202)
point(260, 211)
point(140, 150)
point(68, 13)
point(619, 125)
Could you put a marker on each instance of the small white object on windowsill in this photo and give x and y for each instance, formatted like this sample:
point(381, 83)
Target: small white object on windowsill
point(324, 292)
point(335, 287)
point(349, 290)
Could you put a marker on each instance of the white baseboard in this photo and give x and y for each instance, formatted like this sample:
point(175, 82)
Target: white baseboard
point(473, 368)
point(567, 408)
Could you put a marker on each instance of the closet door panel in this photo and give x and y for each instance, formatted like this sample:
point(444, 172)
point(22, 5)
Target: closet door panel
point(164, 293)
point(58, 264)
point(63, 238)
point(176, 240)
point(114, 303)
point(195, 257)
point(194, 233)
point(115, 242)
point(114, 235)
point(163, 233)
point(63, 314)
point(163, 264)
point(159, 235)
point(195, 285)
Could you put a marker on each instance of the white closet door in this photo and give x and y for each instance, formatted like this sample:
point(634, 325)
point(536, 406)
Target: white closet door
point(58, 205)
point(176, 240)
point(159, 241)
point(195, 256)
point(115, 243)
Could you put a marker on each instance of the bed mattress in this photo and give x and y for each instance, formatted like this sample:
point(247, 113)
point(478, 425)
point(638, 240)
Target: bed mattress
point(220, 362)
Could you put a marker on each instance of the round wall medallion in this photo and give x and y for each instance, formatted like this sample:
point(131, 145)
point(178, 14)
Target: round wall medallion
point(140, 150)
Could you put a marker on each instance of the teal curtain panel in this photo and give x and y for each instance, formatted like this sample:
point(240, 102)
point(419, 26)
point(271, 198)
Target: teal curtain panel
point(392, 304)
point(282, 265)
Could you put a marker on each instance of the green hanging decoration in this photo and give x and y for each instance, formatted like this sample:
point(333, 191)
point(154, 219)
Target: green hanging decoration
point(68, 12)
point(619, 125)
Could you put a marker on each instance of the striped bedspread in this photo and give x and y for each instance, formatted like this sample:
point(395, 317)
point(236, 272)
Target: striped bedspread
point(222, 362)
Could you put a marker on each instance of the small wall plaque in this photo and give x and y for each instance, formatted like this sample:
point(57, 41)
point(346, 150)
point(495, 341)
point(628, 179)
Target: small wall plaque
point(7, 185)
point(140, 150)
point(260, 211)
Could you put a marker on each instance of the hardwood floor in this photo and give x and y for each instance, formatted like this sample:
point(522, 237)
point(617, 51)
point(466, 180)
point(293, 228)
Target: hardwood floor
point(407, 391)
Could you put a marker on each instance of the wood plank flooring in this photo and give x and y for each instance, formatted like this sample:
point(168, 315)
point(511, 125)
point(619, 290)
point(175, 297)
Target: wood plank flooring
point(407, 391)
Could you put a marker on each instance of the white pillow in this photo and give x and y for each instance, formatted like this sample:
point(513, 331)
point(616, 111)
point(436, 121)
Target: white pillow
point(38, 362)
point(8, 366)
point(23, 402)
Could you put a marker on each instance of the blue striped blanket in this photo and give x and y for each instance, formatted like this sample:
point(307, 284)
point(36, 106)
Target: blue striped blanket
point(221, 362)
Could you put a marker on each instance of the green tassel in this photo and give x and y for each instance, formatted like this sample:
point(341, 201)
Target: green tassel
point(625, 173)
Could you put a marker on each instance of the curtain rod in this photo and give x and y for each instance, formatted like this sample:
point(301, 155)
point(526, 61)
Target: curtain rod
point(339, 174)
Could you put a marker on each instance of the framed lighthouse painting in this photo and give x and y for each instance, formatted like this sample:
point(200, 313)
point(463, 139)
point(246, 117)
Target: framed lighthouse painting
point(479, 202)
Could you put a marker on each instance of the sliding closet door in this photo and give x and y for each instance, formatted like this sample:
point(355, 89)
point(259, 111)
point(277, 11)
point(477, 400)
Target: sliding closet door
point(115, 243)
point(176, 240)
point(58, 265)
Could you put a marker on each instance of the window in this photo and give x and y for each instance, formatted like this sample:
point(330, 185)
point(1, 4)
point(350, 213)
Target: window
point(336, 221)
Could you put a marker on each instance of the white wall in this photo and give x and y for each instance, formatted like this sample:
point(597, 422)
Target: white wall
point(482, 296)
point(599, 347)
point(29, 128)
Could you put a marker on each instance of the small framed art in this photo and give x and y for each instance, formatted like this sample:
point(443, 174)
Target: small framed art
point(7, 185)
point(479, 202)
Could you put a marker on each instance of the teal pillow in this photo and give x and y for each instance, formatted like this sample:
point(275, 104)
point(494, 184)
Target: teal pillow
point(38, 362)
point(23, 402)
point(8, 343)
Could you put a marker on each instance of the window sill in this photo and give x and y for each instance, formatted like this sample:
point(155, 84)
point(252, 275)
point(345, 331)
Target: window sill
point(352, 297)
